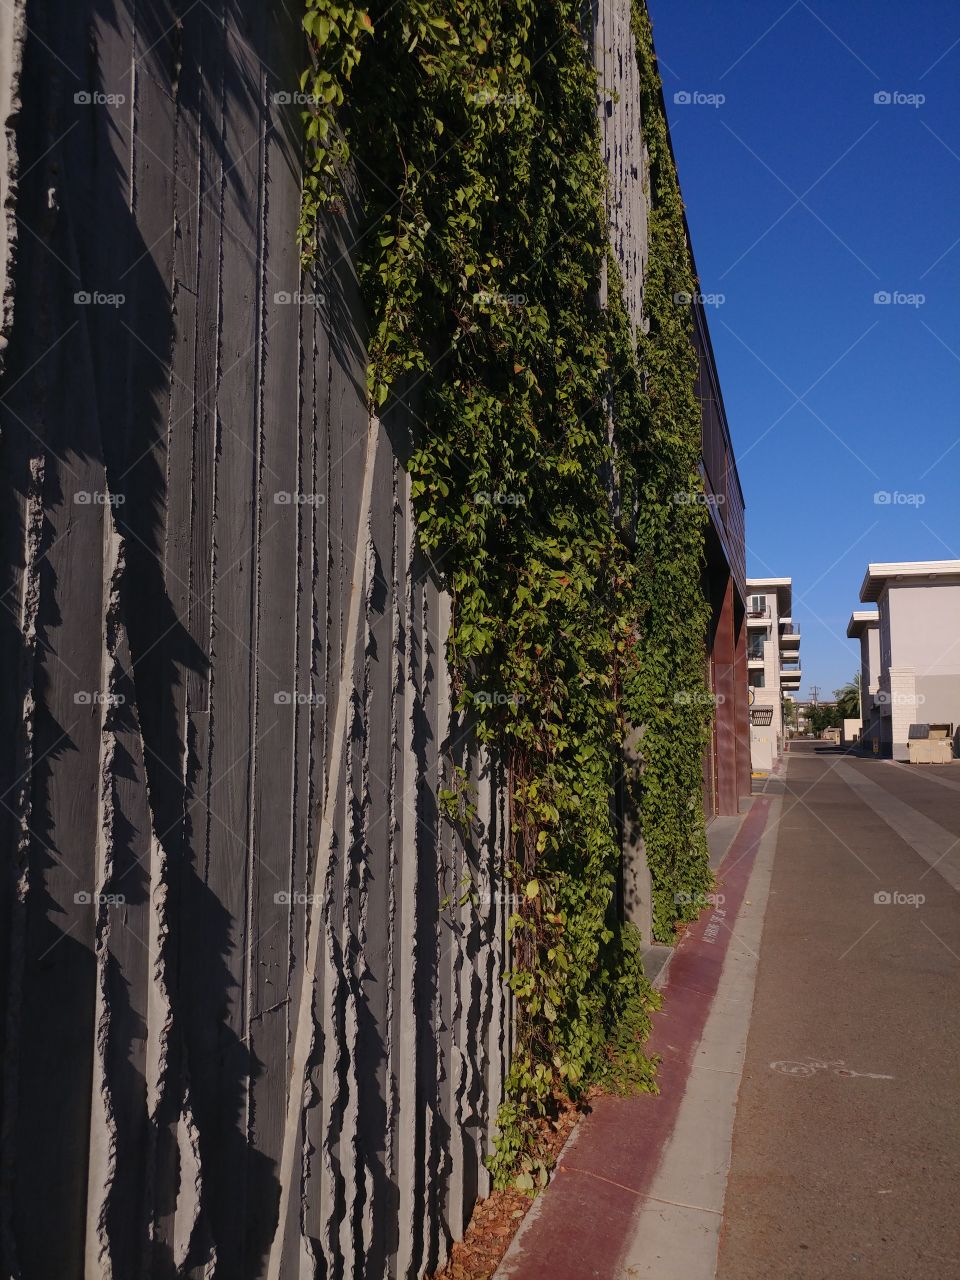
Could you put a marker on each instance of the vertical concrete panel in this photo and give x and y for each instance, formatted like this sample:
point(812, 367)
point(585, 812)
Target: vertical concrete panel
point(150, 1072)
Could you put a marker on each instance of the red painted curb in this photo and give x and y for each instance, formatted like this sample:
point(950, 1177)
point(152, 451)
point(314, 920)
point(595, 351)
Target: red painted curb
point(588, 1212)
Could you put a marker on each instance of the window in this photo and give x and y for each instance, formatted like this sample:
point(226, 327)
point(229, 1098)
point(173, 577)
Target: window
point(756, 679)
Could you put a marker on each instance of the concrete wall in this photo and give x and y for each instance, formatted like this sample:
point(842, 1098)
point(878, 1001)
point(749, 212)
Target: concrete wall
point(626, 160)
point(225, 705)
point(924, 627)
point(870, 659)
point(766, 740)
point(919, 647)
point(226, 710)
point(869, 684)
point(624, 150)
point(851, 730)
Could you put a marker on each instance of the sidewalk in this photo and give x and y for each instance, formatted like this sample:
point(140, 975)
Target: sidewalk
point(640, 1169)
point(808, 1124)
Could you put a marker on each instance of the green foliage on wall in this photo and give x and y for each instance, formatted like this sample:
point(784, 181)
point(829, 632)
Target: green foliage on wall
point(552, 443)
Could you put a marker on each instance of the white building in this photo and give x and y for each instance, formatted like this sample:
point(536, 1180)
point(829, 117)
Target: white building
point(864, 625)
point(913, 667)
point(773, 664)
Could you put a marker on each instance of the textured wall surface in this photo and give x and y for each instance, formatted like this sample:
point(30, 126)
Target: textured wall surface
point(624, 150)
point(225, 712)
point(225, 707)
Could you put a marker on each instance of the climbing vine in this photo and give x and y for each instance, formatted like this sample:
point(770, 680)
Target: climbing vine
point(553, 439)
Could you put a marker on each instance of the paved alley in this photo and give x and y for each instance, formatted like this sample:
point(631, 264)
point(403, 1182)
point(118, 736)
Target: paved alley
point(846, 1151)
point(808, 1124)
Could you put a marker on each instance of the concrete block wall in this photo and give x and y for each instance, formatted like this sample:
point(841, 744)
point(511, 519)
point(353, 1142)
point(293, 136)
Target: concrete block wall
point(903, 707)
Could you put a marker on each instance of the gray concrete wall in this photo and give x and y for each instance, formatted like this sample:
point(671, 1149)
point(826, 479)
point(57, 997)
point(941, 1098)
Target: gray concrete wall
point(628, 196)
point(924, 624)
point(225, 710)
point(624, 150)
point(938, 699)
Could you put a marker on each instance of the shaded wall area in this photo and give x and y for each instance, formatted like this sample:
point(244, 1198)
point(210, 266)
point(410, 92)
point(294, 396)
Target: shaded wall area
point(183, 456)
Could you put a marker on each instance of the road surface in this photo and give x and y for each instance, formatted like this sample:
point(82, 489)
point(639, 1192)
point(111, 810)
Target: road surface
point(808, 1124)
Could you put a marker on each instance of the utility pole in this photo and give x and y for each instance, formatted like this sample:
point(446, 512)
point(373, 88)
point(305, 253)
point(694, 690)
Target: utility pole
point(814, 694)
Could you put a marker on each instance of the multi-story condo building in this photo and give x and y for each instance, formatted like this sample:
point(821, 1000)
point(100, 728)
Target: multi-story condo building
point(912, 671)
point(864, 625)
point(773, 664)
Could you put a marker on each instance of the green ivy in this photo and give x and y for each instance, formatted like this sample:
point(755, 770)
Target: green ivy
point(574, 575)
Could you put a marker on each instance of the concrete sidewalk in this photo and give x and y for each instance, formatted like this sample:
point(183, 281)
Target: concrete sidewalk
point(838, 1152)
point(643, 1171)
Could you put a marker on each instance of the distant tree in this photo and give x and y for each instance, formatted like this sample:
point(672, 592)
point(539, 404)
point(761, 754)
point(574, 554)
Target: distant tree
point(848, 699)
point(824, 716)
point(789, 713)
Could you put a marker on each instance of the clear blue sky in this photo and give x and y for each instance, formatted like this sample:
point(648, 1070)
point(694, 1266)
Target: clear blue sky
point(806, 198)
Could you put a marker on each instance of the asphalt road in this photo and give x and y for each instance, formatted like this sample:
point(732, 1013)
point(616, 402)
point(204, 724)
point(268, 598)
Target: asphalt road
point(846, 1144)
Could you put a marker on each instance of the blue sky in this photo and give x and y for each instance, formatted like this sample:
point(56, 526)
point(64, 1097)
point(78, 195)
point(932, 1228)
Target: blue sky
point(806, 198)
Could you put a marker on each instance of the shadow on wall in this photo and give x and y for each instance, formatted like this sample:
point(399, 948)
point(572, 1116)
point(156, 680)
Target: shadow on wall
point(91, 447)
point(155, 795)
